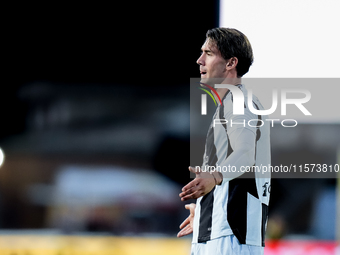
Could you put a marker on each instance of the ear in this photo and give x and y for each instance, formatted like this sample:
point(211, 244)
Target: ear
point(231, 63)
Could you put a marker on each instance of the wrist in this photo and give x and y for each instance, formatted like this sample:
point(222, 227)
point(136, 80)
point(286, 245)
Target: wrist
point(218, 177)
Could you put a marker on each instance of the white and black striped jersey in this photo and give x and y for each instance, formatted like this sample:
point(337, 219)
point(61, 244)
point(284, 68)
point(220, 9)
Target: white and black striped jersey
point(239, 206)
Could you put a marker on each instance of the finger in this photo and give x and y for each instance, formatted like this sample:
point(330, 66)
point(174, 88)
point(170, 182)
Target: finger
point(191, 207)
point(191, 188)
point(186, 231)
point(184, 223)
point(191, 184)
point(194, 170)
point(182, 232)
point(188, 206)
point(193, 195)
point(190, 191)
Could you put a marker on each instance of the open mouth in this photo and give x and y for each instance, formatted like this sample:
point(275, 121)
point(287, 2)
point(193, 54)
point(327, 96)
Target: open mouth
point(203, 73)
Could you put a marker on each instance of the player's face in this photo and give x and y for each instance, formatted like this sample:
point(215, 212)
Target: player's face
point(211, 62)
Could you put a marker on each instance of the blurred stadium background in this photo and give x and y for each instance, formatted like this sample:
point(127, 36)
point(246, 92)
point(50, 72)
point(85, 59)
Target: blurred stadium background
point(95, 135)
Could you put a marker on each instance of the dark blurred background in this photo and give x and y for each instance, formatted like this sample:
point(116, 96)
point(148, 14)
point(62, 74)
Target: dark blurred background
point(93, 88)
point(95, 110)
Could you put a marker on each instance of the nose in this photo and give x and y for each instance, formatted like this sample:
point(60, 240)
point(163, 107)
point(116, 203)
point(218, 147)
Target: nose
point(200, 60)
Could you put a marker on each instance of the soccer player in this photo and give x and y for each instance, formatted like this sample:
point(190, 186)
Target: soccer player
point(231, 210)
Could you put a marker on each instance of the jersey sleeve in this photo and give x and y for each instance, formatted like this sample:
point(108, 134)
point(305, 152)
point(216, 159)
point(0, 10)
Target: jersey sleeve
point(241, 131)
point(247, 120)
point(242, 142)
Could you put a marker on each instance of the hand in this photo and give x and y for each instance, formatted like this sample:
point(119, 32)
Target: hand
point(188, 223)
point(201, 185)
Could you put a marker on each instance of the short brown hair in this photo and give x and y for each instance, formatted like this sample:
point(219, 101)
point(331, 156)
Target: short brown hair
point(232, 43)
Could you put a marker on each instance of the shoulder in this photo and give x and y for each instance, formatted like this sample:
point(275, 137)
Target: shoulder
point(229, 99)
